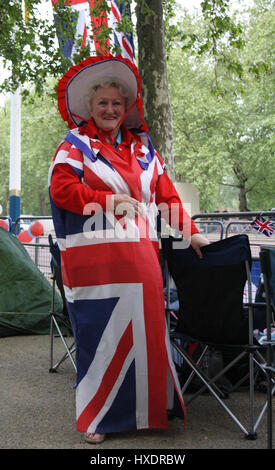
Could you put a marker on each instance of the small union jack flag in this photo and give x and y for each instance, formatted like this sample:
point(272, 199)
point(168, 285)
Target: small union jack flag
point(263, 226)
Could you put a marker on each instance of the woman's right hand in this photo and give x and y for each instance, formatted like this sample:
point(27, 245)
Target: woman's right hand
point(123, 202)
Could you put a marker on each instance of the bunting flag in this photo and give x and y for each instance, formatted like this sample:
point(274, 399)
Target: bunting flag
point(89, 25)
point(99, 21)
point(125, 41)
point(81, 28)
point(263, 226)
point(118, 10)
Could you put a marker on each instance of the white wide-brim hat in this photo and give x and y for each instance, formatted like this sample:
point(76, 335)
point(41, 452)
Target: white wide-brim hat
point(74, 87)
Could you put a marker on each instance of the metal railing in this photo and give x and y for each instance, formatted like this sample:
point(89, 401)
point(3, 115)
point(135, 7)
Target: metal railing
point(227, 215)
point(232, 223)
point(39, 248)
point(214, 225)
point(31, 217)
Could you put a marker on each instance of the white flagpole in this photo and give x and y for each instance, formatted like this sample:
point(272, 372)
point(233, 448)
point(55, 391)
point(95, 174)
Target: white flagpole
point(15, 157)
point(15, 151)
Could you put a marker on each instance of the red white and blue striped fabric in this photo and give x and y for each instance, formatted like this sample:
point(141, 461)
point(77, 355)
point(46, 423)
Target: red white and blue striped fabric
point(124, 40)
point(84, 28)
point(126, 378)
point(111, 19)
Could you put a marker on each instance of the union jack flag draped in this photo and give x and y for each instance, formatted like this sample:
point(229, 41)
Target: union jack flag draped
point(126, 377)
point(87, 26)
point(263, 226)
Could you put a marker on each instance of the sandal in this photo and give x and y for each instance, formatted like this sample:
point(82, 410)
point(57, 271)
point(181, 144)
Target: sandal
point(94, 438)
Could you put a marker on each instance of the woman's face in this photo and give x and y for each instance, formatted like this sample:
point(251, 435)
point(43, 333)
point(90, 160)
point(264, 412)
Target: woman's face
point(108, 108)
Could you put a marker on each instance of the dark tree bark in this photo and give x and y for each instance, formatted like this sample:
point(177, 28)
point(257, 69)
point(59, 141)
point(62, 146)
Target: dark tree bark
point(242, 198)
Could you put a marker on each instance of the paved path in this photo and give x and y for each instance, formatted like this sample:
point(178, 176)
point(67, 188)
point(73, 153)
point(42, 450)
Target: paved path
point(38, 410)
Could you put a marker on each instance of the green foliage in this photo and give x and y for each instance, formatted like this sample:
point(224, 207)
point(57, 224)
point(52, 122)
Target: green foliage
point(221, 79)
point(217, 28)
point(4, 158)
point(42, 129)
point(224, 140)
point(28, 44)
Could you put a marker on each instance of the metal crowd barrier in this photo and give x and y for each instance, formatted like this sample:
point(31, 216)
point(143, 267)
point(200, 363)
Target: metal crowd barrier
point(39, 248)
point(214, 225)
point(40, 254)
point(232, 223)
point(32, 218)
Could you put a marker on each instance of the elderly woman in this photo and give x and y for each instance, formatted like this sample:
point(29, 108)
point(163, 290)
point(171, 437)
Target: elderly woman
point(107, 185)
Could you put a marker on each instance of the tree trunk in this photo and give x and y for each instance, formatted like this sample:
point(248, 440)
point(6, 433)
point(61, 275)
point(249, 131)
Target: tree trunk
point(42, 203)
point(152, 67)
point(242, 198)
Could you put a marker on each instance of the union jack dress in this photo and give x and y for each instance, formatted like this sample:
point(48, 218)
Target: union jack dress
point(126, 378)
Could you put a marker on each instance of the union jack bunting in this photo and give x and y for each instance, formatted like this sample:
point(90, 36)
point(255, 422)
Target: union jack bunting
point(118, 10)
point(82, 29)
point(125, 41)
point(87, 25)
point(263, 226)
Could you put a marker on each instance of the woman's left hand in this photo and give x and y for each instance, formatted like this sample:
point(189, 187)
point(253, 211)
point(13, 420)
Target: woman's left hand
point(197, 241)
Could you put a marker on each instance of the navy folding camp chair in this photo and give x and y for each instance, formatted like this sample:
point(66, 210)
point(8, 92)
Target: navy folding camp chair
point(60, 323)
point(267, 258)
point(212, 312)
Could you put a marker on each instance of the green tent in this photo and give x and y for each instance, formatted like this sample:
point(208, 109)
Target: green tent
point(25, 293)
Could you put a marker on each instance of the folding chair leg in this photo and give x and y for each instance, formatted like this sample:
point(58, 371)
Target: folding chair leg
point(69, 349)
point(252, 434)
point(214, 379)
point(193, 373)
point(210, 388)
point(270, 392)
point(270, 383)
point(51, 345)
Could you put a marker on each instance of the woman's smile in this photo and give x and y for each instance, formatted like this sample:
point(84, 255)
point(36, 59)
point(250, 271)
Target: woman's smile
point(107, 109)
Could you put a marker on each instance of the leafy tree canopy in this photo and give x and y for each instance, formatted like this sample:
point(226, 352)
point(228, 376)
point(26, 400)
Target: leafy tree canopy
point(42, 129)
point(28, 41)
point(28, 44)
point(224, 138)
point(223, 115)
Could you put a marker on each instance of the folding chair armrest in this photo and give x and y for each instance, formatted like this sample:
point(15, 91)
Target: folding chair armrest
point(254, 304)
